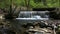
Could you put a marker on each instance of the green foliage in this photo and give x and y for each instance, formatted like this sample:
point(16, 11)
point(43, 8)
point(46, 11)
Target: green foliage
point(36, 5)
point(18, 2)
point(53, 3)
point(4, 3)
point(49, 4)
point(32, 3)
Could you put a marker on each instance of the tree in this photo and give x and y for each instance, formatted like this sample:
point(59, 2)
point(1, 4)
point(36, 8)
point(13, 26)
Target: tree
point(27, 3)
point(44, 2)
point(37, 1)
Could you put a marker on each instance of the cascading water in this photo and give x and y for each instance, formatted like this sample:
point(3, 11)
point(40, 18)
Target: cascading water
point(32, 16)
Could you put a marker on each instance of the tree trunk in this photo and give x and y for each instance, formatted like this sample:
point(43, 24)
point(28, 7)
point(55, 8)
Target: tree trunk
point(44, 2)
point(27, 2)
point(14, 9)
